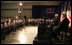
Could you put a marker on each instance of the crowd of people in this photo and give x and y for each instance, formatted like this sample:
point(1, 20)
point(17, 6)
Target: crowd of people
point(10, 24)
point(36, 21)
point(58, 28)
point(6, 22)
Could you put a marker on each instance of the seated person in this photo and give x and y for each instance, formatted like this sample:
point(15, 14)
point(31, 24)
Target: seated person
point(5, 23)
point(8, 21)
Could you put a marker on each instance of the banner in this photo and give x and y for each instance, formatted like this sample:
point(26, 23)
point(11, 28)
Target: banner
point(62, 10)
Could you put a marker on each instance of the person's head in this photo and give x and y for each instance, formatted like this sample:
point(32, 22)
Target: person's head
point(56, 15)
point(64, 16)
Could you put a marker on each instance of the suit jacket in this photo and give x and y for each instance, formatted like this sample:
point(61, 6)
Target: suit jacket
point(64, 24)
point(56, 21)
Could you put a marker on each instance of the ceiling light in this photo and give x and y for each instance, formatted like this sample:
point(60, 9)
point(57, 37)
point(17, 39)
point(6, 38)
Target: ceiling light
point(20, 4)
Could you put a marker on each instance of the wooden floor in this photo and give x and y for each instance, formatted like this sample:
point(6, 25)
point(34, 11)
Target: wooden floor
point(24, 35)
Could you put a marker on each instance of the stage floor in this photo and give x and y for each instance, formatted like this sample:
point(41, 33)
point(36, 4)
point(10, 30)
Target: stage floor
point(24, 35)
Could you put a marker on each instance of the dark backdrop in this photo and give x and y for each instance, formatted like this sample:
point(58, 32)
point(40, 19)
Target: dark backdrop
point(44, 11)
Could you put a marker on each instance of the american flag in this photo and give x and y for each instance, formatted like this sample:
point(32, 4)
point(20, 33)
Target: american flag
point(69, 13)
point(62, 10)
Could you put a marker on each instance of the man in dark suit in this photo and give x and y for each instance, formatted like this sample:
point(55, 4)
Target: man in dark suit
point(56, 20)
point(55, 24)
point(63, 26)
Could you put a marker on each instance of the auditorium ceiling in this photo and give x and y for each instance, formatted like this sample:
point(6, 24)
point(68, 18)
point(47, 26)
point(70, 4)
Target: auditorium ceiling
point(26, 4)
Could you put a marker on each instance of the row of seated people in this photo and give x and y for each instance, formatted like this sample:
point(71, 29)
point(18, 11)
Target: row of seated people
point(9, 25)
point(34, 21)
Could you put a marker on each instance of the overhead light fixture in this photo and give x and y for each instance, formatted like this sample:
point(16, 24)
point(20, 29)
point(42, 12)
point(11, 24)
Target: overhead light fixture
point(20, 4)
